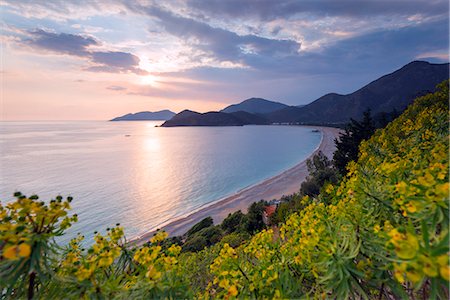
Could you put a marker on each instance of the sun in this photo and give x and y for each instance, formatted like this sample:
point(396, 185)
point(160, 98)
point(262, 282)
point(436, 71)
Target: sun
point(149, 80)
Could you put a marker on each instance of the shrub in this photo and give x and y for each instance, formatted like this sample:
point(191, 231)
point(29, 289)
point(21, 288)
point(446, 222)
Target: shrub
point(206, 222)
point(234, 222)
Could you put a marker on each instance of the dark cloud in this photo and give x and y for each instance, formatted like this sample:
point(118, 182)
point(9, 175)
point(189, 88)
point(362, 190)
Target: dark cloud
point(385, 48)
point(378, 50)
point(65, 43)
point(116, 88)
point(219, 43)
point(78, 45)
point(269, 10)
point(114, 61)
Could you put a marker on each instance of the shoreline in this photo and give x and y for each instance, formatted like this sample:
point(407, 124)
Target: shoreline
point(285, 183)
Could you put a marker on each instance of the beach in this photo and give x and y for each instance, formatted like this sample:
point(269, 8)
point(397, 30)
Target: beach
point(286, 183)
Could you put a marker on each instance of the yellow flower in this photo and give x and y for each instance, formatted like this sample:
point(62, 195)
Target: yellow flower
point(24, 250)
point(160, 236)
point(105, 261)
point(406, 244)
point(224, 283)
point(445, 272)
point(401, 187)
point(170, 260)
point(83, 273)
point(232, 291)
point(376, 228)
point(10, 252)
point(413, 276)
point(411, 207)
point(429, 268)
point(152, 273)
point(174, 249)
point(399, 276)
point(442, 260)
point(427, 180)
point(443, 189)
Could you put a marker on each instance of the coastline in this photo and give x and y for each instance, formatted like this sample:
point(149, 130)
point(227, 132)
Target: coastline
point(285, 183)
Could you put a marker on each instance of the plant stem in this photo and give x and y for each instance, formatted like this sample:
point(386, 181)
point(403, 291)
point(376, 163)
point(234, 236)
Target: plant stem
point(31, 286)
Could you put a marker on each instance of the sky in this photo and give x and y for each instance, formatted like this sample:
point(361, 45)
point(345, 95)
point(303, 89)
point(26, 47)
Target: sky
point(98, 59)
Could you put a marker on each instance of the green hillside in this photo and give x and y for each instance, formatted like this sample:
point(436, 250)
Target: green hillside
point(381, 233)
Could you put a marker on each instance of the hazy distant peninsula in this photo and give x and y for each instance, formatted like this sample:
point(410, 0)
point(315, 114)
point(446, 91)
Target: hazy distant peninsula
point(146, 115)
point(192, 118)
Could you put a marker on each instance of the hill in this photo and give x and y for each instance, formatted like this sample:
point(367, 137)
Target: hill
point(394, 91)
point(255, 106)
point(192, 118)
point(146, 115)
point(250, 119)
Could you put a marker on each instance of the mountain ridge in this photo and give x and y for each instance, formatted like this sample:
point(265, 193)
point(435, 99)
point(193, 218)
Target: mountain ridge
point(254, 106)
point(393, 91)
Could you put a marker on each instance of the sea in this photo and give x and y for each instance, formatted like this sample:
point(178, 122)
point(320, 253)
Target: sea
point(138, 174)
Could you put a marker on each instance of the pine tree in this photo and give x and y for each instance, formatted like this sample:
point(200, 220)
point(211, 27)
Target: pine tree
point(348, 143)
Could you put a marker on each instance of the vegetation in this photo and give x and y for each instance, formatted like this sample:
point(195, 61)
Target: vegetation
point(235, 228)
point(234, 222)
point(381, 232)
point(206, 222)
point(347, 146)
point(321, 171)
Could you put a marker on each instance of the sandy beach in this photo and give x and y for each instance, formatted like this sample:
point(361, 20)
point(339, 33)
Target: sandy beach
point(275, 187)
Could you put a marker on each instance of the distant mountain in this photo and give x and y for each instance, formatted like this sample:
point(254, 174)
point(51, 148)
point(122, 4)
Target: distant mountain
point(255, 106)
point(394, 91)
point(192, 118)
point(146, 115)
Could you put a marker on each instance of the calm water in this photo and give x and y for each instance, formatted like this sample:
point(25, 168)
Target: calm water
point(140, 175)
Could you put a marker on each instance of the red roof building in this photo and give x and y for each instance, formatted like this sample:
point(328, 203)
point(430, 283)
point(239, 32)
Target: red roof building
point(268, 211)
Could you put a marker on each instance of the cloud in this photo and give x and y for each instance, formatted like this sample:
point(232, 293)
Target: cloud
point(340, 67)
point(220, 44)
point(116, 88)
point(79, 45)
point(64, 43)
point(269, 10)
point(116, 62)
point(63, 10)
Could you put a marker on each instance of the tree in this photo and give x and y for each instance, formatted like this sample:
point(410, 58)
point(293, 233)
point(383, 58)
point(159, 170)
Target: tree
point(206, 222)
point(321, 171)
point(207, 236)
point(194, 244)
point(254, 217)
point(347, 145)
point(233, 222)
